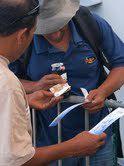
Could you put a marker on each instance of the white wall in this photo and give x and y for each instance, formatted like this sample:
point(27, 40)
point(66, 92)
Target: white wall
point(113, 12)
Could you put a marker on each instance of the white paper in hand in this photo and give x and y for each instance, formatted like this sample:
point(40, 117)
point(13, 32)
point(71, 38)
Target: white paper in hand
point(85, 92)
point(107, 121)
point(64, 113)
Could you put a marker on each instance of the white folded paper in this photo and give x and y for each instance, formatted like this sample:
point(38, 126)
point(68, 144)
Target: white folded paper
point(101, 126)
point(64, 76)
point(107, 121)
point(64, 113)
point(85, 92)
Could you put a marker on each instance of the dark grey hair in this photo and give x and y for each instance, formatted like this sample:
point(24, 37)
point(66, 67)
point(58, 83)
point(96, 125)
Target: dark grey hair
point(11, 10)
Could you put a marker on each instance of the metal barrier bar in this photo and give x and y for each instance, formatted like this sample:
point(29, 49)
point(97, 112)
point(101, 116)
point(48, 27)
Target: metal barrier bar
point(59, 131)
point(74, 100)
point(79, 99)
point(87, 127)
point(34, 126)
point(114, 104)
point(109, 103)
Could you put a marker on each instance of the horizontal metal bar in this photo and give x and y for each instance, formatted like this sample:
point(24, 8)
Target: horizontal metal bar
point(114, 104)
point(74, 99)
point(79, 99)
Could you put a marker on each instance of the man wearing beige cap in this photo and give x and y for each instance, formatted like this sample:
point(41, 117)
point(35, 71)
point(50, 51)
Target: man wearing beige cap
point(59, 40)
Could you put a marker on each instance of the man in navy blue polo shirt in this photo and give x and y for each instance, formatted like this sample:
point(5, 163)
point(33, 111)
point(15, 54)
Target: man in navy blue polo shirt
point(58, 41)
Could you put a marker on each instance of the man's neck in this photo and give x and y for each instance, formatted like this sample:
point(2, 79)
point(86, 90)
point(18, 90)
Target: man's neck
point(64, 43)
point(6, 49)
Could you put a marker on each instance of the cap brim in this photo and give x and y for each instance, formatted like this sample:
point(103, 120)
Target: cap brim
point(55, 23)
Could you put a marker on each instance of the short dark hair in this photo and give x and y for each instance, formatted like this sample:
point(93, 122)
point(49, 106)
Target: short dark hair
point(11, 10)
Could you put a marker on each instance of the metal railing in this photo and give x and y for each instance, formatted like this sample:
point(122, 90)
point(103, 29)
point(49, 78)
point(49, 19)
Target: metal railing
point(74, 100)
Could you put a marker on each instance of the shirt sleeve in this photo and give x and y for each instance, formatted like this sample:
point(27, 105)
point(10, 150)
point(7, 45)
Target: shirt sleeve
point(18, 68)
point(15, 132)
point(111, 45)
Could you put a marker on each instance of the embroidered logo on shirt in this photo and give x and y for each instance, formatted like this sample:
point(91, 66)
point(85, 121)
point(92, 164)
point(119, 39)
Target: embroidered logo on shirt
point(90, 60)
point(58, 67)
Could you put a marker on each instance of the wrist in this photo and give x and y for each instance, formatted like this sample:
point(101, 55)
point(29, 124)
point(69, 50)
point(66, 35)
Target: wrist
point(66, 149)
point(29, 86)
point(73, 148)
point(103, 92)
point(29, 98)
point(38, 86)
point(35, 86)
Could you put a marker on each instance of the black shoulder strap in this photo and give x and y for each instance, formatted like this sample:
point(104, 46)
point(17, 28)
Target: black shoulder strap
point(89, 29)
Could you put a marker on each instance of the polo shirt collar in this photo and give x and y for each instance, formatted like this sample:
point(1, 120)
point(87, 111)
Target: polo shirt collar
point(4, 61)
point(77, 39)
point(42, 45)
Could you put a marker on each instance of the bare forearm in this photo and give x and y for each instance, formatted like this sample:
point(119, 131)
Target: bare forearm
point(45, 83)
point(114, 81)
point(81, 145)
point(29, 86)
point(46, 155)
point(84, 144)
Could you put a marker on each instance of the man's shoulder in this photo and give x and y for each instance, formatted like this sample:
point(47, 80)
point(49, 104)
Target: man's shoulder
point(102, 22)
point(8, 81)
point(86, 13)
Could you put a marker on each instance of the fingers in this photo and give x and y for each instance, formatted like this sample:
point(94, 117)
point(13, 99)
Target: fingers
point(101, 140)
point(102, 136)
point(96, 102)
point(47, 93)
point(52, 76)
point(93, 107)
point(52, 102)
point(48, 81)
point(89, 105)
point(41, 100)
point(101, 144)
point(43, 93)
point(56, 100)
point(91, 95)
point(53, 82)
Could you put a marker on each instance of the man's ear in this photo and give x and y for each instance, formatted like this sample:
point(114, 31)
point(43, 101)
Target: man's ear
point(22, 35)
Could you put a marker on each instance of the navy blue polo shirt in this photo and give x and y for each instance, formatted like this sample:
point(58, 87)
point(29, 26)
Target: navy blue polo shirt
point(83, 70)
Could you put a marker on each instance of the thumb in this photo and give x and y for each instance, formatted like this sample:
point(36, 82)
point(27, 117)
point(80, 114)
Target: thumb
point(91, 95)
point(48, 94)
point(102, 136)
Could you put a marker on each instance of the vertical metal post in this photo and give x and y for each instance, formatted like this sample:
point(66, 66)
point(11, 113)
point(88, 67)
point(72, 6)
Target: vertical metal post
point(34, 126)
point(59, 131)
point(87, 129)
